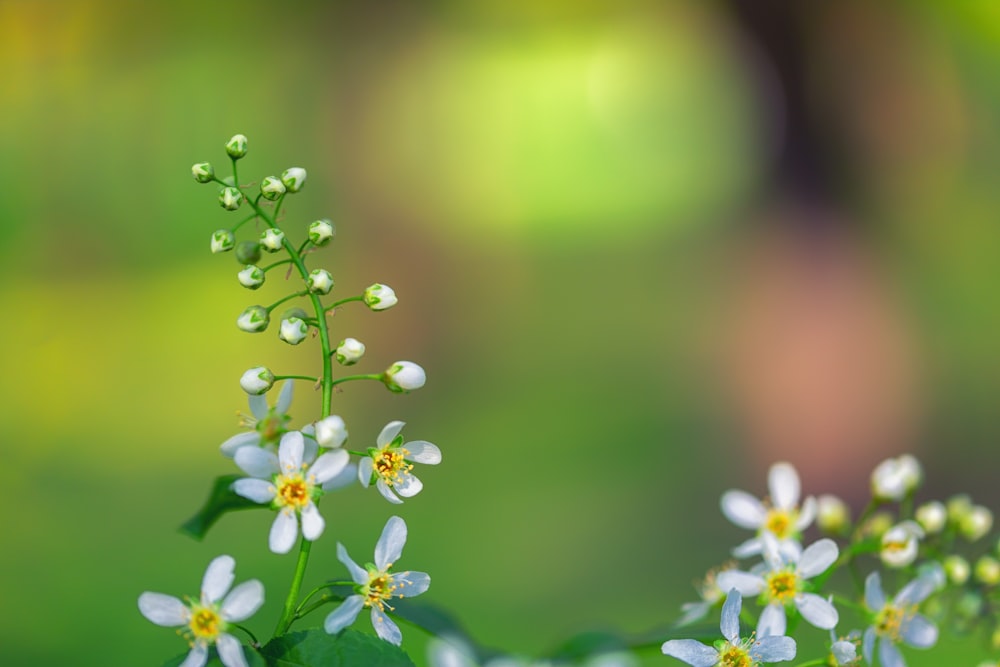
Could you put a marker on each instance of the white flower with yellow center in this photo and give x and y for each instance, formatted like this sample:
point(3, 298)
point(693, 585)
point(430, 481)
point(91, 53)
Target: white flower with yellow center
point(900, 544)
point(376, 585)
point(734, 651)
point(389, 464)
point(291, 484)
point(897, 621)
point(205, 621)
point(783, 584)
point(267, 423)
point(781, 517)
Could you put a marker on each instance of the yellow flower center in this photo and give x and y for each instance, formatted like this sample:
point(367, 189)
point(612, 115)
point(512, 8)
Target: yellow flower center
point(735, 656)
point(889, 621)
point(782, 586)
point(780, 523)
point(205, 623)
point(379, 589)
point(390, 464)
point(294, 491)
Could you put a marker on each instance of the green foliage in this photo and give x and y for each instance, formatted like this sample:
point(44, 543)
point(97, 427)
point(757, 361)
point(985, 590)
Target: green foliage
point(348, 648)
point(220, 501)
point(253, 659)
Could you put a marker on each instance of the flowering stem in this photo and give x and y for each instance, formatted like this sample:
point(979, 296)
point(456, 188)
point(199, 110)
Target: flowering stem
point(278, 263)
point(343, 301)
point(288, 615)
point(296, 377)
point(282, 300)
point(369, 376)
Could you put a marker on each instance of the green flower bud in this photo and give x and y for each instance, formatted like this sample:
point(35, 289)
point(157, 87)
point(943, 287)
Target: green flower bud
point(251, 276)
point(321, 231)
point(248, 252)
point(958, 507)
point(957, 569)
point(404, 376)
point(203, 172)
point(237, 146)
point(976, 523)
point(294, 178)
point(349, 351)
point(987, 570)
point(293, 330)
point(832, 515)
point(380, 297)
point(319, 281)
point(222, 241)
point(271, 239)
point(271, 188)
point(968, 605)
point(257, 381)
point(254, 319)
point(932, 516)
point(230, 198)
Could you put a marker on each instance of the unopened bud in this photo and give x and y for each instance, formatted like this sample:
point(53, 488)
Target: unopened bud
point(237, 146)
point(404, 376)
point(958, 507)
point(319, 281)
point(379, 297)
point(294, 178)
point(293, 330)
point(271, 239)
point(254, 319)
point(957, 569)
point(271, 188)
point(877, 524)
point(987, 570)
point(331, 431)
point(203, 172)
point(976, 523)
point(894, 478)
point(248, 252)
point(832, 514)
point(222, 241)
point(251, 276)
point(350, 351)
point(230, 198)
point(257, 380)
point(321, 231)
point(932, 516)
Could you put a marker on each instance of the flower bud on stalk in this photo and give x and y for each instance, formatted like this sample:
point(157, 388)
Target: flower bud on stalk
point(230, 198)
point(251, 276)
point(271, 188)
point(294, 178)
point(987, 571)
point(237, 146)
point(319, 281)
point(223, 240)
point(900, 544)
point(248, 252)
point(957, 569)
point(254, 319)
point(894, 478)
point(404, 376)
point(832, 515)
point(379, 297)
point(349, 351)
point(331, 432)
point(203, 172)
point(976, 523)
point(321, 231)
point(271, 239)
point(257, 380)
point(932, 516)
point(293, 327)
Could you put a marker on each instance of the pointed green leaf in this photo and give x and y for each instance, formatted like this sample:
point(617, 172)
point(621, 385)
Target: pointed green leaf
point(222, 499)
point(348, 648)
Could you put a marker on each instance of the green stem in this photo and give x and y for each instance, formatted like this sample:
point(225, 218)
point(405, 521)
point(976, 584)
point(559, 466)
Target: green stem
point(288, 615)
point(282, 300)
point(813, 663)
point(253, 639)
point(343, 301)
point(278, 263)
point(347, 378)
point(236, 180)
point(296, 377)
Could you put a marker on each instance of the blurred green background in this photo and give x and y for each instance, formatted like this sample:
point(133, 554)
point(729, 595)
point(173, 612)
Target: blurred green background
point(626, 299)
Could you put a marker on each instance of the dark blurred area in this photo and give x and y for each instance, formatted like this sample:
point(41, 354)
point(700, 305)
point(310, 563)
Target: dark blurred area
point(643, 249)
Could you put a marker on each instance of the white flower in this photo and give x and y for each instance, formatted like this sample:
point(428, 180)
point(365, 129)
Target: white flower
point(897, 621)
point(254, 319)
point(237, 146)
point(349, 351)
point(782, 584)
point(267, 423)
point(734, 651)
point(319, 281)
point(844, 651)
point(321, 231)
point(223, 240)
point(379, 297)
point(404, 376)
point(294, 178)
point(251, 276)
point(293, 330)
point(376, 585)
point(894, 478)
point(271, 188)
point(271, 239)
point(290, 484)
point(257, 380)
point(832, 514)
point(388, 464)
point(207, 619)
point(203, 172)
point(331, 432)
point(782, 517)
point(710, 594)
point(932, 516)
point(230, 198)
point(900, 544)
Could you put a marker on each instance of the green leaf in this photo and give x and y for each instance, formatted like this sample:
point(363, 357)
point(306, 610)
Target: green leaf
point(222, 499)
point(586, 644)
point(434, 620)
point(348, 648)
point(253, 659)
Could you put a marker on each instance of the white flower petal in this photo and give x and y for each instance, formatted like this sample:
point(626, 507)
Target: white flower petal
point(258, 406)
point(409, 487)
point(387, 493)
point(389, 433)
point(807, 513)
point(783, 483)
point(285, 397)
point(218, 578)
point(919, 632)
point(284, 530)
point(868, 645)
point(197, 657)
point(844, 652)
point(365, 467)
point(772, 622)
point(916, 591)
point(729, 624)
point(256, 462)
point(248, 439)
point(329, 465)
point(817, 558)
point(165, 610)
point(344, 615)
point(312, 522)
point(243, 601)
point(743, 509)
point(692, 652)
point(390, 543)
point(310, 448)
point(291, 451)
point(693, 611)
point(874, 597)
point(773, 649)
point(385, 628)
point(230, 651)
point(751, 547)
point(257, 490)
point(346, 477)
point(817, 611)
point(745, 582)
point(358, 573)
point(889, 655)
point(424, 452)
point(411, 583)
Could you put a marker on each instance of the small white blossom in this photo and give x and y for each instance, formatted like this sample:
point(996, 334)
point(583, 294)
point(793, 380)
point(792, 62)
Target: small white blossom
point(388, 464)
point(230, 198)
point(206, 620)
point(294, 178)
point(932, 516)
point(897, 621)
point(376, 585)
point(781, 516)
point(379, 297)
point(349, 351)
point(331, 432)
point(237, 146)
point(844, 651)
point(266, 423)
point(293, 330)
point(901, 543)
point(271, 239)
point(254, 319)
point(251, 276)
point(710, 594)
point(290, 484)
point(203, 172)
point(734, 650)
point(894, 478)
point(319, 281)
point(321, 231)
point(404, 376)
point(257, 380)
point(271, 188)
point(223, 240)
point(976, 523)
